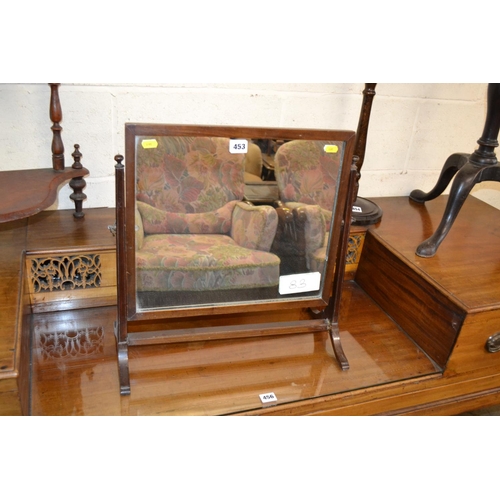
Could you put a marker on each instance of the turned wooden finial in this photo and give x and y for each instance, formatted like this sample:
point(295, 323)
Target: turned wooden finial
point(56, 118)
point(77, 156)
point(77, 184)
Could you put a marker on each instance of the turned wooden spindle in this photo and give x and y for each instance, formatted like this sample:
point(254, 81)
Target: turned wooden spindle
point(364, 212)
point(77, 184)
point(363, 123)
point(56, 118)
point(121, 278)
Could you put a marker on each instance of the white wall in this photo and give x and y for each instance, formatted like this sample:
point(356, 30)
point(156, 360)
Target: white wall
point(413, 127)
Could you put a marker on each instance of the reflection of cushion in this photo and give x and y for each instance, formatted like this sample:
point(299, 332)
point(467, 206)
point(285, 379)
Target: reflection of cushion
point(175, 262)
point(156, 221)
point(254, 227)
point(315, 228)
point(327, 214)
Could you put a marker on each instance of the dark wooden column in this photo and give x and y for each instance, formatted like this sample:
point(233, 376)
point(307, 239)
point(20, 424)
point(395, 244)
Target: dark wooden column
point(77, 182)
point(364, 212)
point(56, 117)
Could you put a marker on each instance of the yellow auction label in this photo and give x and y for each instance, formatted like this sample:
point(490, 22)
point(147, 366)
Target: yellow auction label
point(149, 143)
point(331, 148)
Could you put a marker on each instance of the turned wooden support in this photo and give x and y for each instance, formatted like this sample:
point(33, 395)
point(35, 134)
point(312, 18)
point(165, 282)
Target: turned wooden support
point(332, 311)
point(56, 117)
point(364, 212)
point(77, 184)
point(364, 121)
point(121, 277)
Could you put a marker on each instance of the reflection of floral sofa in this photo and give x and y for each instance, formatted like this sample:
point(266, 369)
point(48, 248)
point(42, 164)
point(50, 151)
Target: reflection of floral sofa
point(307, 182)
point(193, 231)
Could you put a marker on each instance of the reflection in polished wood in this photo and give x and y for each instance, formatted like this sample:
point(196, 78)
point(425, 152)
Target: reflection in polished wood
point(389, 373)
point(61, 344)
point(221, 376)
point(53, 233)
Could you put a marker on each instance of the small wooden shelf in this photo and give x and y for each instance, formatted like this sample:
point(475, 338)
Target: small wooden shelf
point(27, 192)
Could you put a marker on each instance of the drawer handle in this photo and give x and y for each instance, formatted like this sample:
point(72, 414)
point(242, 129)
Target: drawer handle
point(493, 343)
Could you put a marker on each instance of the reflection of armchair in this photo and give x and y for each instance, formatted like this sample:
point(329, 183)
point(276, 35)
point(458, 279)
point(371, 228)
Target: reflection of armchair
point(307, 181)
point(193, 231)
point(257, 189)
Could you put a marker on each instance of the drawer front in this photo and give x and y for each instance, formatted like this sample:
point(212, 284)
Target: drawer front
point(475, 346)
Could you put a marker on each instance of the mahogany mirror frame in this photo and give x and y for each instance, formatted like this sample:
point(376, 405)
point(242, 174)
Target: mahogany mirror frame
point(137, 326)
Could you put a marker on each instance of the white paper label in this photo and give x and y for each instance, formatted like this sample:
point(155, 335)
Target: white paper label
point(357, 209)
point(298, 283)
point(238, 146)
point(270, 397)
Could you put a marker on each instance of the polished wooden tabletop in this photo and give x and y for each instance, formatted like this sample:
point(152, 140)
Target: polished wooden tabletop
point(75, 368)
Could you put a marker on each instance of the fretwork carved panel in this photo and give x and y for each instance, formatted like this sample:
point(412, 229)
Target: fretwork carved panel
point(354, 246)
point(70, 272)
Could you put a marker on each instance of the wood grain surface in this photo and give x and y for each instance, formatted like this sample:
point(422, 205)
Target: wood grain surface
point(393, 371)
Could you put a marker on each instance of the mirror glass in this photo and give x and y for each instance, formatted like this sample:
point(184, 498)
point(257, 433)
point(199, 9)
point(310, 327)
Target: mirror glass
point(224, 218)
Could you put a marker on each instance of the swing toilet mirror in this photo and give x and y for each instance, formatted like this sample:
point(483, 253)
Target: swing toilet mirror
point(191, 244)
